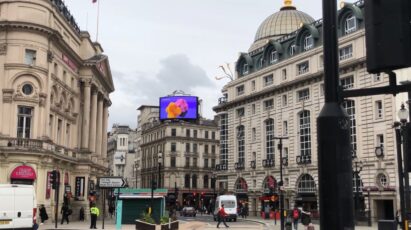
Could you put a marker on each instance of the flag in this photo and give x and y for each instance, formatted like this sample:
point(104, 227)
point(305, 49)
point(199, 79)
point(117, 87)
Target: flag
point(94, 1)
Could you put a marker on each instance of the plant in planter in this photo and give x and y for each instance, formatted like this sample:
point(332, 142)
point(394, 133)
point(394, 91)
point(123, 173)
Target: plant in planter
point(146, 222)
point(168, 223)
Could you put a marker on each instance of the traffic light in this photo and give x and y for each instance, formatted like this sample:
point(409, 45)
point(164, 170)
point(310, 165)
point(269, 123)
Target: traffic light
point(388, 34)
point(153, 185)
point(54, 179)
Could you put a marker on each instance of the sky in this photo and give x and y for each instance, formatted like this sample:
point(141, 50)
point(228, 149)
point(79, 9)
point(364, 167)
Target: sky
point(156, 47)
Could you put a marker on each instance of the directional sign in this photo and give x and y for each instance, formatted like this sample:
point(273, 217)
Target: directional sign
point(111, 182)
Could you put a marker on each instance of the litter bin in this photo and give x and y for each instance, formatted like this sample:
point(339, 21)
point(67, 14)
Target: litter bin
point(387, 225)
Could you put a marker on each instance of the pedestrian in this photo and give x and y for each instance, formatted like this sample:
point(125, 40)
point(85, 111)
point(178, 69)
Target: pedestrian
point(245, 211)
point(94, 212)
point(64, 213)
point(81, 214)
point(398, 218)
point(295, 217)
point(221, 215)
point(267, 211)
point(43, 214)
point(111, 211)
point(305, 217)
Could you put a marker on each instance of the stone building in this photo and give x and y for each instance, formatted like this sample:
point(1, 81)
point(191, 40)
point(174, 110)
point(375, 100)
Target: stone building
point(278, 92)
point(55, 85)
point(188, 154)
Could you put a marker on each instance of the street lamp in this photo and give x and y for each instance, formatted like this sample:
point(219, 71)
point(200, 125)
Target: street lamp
point(357, 185)
point(281, 184)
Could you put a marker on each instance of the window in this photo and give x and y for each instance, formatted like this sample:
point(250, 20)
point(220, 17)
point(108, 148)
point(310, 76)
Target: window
point(253, 85)
point(194, 162)
point(194, 181)
point(380, 140)
point(173, 147)
point(377, 77)
point(187, 147)
point(303, 95)
point(195, 133)
point(350, 24)
point(322, 89)
point(213, 149)
point(306, 184)
point(357, 183)
point(55, 70)
point(173, 132)
point(268, 80)
point(349, 106)
point(305, 133)
point(59, 130)
point(240, 143)
point(285, 128)
point(205, 148)
point(382, 180)
point(27, 89)
point(205, 163)
point(378, 109)
point(187, 161)
point(245, 69)
point(195, 148)
point(253, 135)
point(284, 74)
point(24, 117)
point(347, 82)
point(269, 134)
point(273, 56)
point(213, 135)
point(346, 52)
point(284, 100)
point(308, 42)
point(205, 181)
point(187, 181)
point(240, 112)
point(212, 163)
point(253, 108)
point(51, 122)
point(260, 63)
point(206, 134)
point(321, 60)
point(173, 162)
point(291, 49)
point(30, 57)
point(187, 133)
point(240, 90)
point(303, 68)
point(67, 135)
point(268, 104)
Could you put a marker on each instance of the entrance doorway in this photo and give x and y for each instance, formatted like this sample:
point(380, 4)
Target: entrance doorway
point(385, 209)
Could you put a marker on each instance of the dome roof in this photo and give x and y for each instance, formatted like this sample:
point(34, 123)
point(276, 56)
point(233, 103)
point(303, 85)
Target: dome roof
point(281, 23)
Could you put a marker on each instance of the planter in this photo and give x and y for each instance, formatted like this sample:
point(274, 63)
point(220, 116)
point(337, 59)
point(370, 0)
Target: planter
point(173, 226)
point(140, 225)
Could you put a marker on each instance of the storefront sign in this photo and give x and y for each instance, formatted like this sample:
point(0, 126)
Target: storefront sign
point(23, 172)
point(69, 62)
point(48, 186)
point(79, 191)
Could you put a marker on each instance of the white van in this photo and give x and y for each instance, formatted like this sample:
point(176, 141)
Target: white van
point(18, 206)
point(230, 206)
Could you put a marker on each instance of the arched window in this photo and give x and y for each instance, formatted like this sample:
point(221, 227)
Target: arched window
point(205, 181)
point(187, 181)
point(270, 185)
point(241, 185)
point(269, 141)
point(194, 181)
point(349, 106)
point(305, 135)
point(240, 143)
point(350, 24)
point(306, 184)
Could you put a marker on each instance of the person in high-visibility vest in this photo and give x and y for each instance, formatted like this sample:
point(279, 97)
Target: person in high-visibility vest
point(94, 212)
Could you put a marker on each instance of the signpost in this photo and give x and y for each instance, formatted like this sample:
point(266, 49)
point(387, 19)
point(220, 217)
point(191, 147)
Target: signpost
point(109, 183)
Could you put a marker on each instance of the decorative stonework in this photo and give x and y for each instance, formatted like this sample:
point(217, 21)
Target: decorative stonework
point(8, 95)
point(3, 49)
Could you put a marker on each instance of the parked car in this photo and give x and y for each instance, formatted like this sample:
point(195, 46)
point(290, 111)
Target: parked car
point(188, 211)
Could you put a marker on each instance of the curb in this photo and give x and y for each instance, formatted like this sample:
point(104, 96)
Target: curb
point(257, 221)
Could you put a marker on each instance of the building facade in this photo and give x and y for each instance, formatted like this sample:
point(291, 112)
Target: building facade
point(188, 152)
point(54, 103)
point(278, 92)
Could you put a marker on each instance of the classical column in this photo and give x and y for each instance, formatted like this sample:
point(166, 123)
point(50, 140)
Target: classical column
point(86, 115)
point(99, 126)
point(104, 133)
point(93, 121)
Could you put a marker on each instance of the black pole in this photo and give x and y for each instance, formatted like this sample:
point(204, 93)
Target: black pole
point(334, 151)
point(104, 206)
point(57, 198)
point(406, 169)
point(280, 146)
point(400, 174)
point(152, 194)
point(159, 175)
point(369, 208)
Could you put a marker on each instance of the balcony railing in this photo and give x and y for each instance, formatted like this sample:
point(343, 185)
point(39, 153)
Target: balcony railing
point(301, 160)
point(25, 143)
point(220, 167)
point(35, 144)
point(239, 165)
point(222, 100)
point(253, 164)
point(268, 163)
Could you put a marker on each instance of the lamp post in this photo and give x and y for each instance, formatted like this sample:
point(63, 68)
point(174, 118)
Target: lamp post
point(160, 160)
point(213, 183)
point(403, 137)
point(280, 148)
point(357, 185)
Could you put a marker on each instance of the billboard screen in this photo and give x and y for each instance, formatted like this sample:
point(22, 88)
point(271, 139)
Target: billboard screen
point(179, 107)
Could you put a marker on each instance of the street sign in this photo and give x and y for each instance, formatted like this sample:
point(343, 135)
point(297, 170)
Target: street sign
point(111, 182)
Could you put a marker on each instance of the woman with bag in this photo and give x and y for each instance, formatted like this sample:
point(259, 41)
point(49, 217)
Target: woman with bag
point(43, 214)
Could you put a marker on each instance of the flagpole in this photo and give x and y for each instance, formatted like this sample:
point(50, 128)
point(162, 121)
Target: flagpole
point(98, 17)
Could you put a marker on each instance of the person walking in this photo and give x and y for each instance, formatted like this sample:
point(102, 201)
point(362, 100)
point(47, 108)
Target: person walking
point(296, 217)
point(111, 211)
point(81, 214)
point(305, 217)
point(64, 214)
point(43, 214)
point(398, 218)
point(94, 212)
point(221, 215)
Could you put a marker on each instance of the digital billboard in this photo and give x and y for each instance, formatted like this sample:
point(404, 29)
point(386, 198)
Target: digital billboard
point(179, 107)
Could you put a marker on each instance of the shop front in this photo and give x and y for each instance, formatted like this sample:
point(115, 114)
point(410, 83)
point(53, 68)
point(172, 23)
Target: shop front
point(269, 199)
point(306, 194)
point(241, 190)
point(23, 174)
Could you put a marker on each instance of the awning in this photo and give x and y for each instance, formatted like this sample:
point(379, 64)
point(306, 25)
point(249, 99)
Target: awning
point(23, 172)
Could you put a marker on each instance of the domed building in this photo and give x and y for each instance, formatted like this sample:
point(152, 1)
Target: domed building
point(278, 93)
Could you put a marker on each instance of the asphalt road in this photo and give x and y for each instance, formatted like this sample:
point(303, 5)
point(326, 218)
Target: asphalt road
point(209, 224)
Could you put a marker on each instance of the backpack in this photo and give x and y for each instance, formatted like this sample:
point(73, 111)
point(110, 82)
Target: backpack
point(296, 214)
